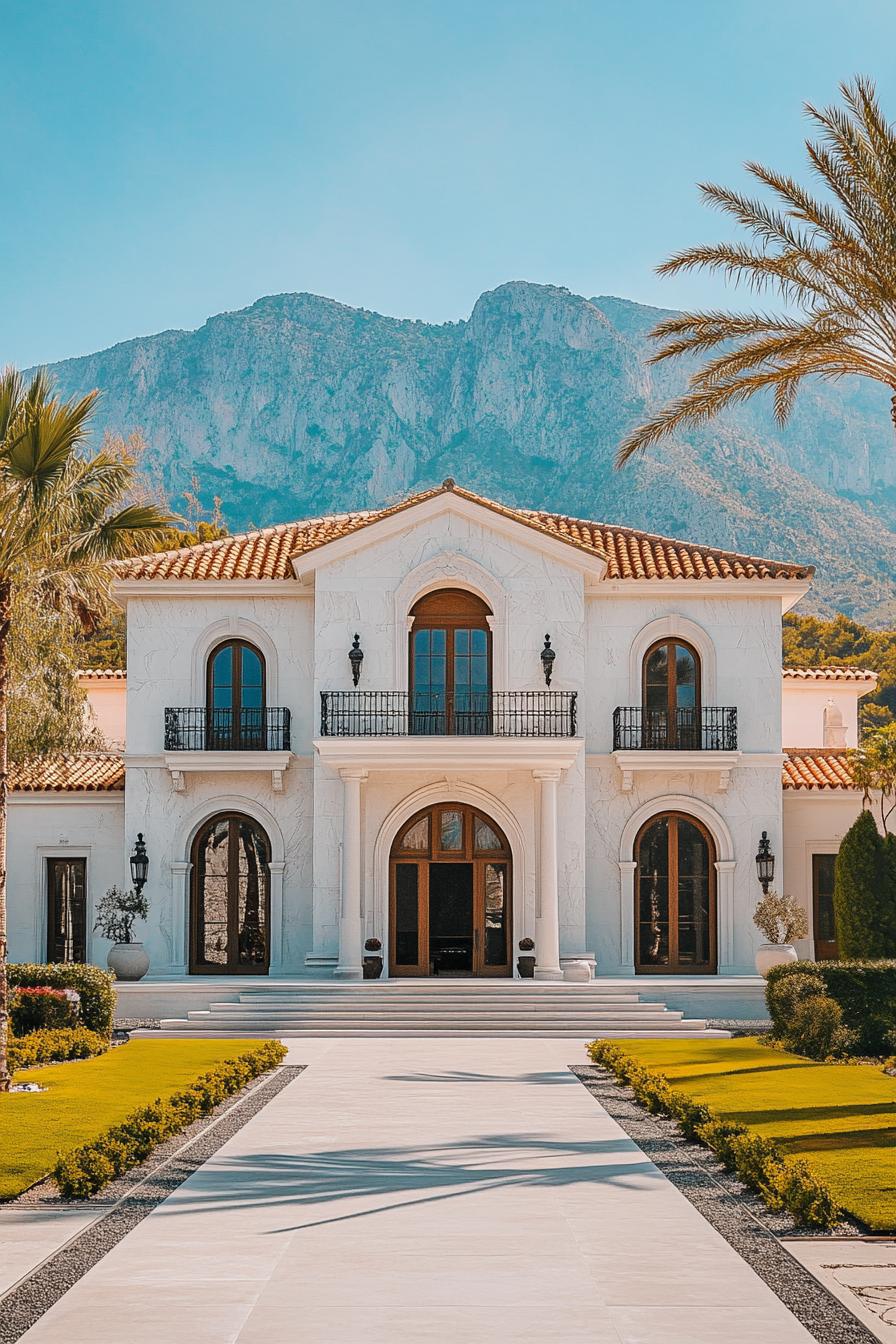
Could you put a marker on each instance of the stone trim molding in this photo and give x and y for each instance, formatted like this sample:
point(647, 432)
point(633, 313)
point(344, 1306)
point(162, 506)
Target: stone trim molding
point(450, 570)
point(234, 627)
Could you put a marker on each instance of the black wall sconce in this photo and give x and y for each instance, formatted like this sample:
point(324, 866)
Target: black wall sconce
point(547, 660)
point(139, 864)
point(356, 658)
point(765, 862)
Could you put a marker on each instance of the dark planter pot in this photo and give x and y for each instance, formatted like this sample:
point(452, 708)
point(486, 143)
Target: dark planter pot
point(373, 967)
point(525, 964)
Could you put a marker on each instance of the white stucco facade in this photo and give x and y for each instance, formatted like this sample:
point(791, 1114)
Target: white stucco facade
point(569, 805)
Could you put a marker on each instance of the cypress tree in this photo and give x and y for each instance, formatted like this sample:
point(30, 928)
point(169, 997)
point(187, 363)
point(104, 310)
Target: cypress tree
point(862, 885)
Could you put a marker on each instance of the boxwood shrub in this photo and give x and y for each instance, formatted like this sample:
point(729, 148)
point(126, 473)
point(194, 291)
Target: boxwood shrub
point(54, 1047)
point(87, 1169)
point(865, 991)
point(781, 1182)
point(95, 986)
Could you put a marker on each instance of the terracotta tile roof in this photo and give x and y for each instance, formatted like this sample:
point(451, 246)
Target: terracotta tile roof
point(102, 674)
point(815, 768)
point(829, 674)
point(266, 554)
point(86, 772)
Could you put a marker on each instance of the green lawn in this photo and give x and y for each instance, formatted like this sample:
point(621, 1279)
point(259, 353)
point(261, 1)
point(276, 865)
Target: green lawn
point(85, 1096)
point(840, 1118)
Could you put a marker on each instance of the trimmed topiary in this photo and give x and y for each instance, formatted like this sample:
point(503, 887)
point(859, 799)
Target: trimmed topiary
point(862, 896)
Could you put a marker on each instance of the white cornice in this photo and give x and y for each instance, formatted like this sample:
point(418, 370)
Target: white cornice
point(68, 797)
point(789, 590)
point(449, 753)
point(222, 588)
point(564, 552)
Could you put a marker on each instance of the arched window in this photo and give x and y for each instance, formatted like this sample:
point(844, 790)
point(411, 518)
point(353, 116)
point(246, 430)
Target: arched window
point(450, 673)
point(670, 696)
point(675, 896)
point(230, 898)
point(235, 697)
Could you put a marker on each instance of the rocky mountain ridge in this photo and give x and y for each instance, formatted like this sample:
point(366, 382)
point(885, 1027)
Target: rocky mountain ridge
point(299, 405)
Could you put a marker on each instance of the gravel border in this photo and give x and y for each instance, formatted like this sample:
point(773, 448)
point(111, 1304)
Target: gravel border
point(135, 1195)
point(734, 1211)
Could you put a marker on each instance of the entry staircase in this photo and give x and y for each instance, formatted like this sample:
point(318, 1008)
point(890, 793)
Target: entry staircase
point(449, 1007)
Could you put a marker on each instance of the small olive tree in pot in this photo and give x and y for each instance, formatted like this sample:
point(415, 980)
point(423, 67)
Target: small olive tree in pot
point(782, 921)
point(115, 918)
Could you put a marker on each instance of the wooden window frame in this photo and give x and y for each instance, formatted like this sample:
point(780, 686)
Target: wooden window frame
point(450, 609)
point(53, 861)
point(236, 689)
point(674, 966)
point(670, 643)
point(232, 966)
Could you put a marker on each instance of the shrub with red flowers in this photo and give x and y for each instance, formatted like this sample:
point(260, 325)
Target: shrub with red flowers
point(40, 1007)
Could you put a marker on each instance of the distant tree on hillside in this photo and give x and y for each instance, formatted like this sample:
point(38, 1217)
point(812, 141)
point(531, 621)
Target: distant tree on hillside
point(831, 261)
point(809, 641)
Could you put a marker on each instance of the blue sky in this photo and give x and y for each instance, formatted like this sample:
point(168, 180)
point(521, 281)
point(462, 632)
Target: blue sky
point(165, 161)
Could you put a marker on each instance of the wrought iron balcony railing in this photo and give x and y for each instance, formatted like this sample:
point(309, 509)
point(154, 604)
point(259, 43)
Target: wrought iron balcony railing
point(434, 714)
point(200, 729)
point(711, 728)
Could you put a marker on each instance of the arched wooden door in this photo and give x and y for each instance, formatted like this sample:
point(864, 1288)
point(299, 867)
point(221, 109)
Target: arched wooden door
point(230, 898)
point(675, 897)
point(450, 874)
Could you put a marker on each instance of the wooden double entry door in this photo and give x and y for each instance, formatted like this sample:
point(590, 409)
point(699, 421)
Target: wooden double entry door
point(450, 895)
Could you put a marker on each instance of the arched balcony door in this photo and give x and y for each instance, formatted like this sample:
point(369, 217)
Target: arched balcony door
point(450, 672)
point(230, 898)
point(450, 875)
point(235, 698)
point(675, 897)
point(670, 697)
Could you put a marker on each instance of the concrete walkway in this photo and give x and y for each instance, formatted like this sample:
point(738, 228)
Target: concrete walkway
point(404, 1190)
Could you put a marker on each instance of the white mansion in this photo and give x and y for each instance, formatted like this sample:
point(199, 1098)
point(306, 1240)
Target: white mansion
point(558, 729)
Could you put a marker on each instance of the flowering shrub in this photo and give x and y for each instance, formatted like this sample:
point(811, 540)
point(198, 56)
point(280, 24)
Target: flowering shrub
point(93, 985)
point(33, 1008)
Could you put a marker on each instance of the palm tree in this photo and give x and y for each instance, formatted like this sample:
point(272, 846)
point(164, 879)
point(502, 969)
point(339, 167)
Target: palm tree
point(833, 262)
point(61, 521)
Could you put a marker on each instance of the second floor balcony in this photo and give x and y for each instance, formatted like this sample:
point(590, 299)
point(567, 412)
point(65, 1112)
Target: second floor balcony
point(709, 728)
point(518, 714)
point(197, 728)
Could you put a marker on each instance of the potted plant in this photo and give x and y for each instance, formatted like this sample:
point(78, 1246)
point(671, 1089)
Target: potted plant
point(525, 962)
point(373, 959)
point(115, 918)
point(781, 920)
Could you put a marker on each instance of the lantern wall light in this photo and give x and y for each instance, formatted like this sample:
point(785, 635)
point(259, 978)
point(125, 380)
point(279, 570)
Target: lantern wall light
point(547, 660)
point(139, 864)
point(356, 658)
point(765, 862)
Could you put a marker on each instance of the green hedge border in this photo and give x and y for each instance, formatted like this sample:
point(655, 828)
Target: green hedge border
point(865, 990)
point(87, 1169)
point(54, 1045)
point(781, 1182)
point(95, 986)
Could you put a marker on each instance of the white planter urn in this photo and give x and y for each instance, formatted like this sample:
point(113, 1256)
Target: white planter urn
point(129, 961)
point(774, 954)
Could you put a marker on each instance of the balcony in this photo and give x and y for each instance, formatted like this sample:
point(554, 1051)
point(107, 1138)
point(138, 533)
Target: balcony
point(712, 728)
point(519, 714)
point(211, 741)
point(694, 740)
point(200, 729)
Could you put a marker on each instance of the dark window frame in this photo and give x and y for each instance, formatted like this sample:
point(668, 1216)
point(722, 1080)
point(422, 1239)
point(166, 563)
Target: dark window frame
point(241, 736)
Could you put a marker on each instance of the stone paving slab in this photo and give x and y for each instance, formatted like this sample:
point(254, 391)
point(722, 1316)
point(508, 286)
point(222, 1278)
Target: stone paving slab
point(453, 1190)
point(860, 1274)
point(28, 1236)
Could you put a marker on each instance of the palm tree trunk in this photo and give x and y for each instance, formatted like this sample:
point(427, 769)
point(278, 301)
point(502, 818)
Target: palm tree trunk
point(5, 614)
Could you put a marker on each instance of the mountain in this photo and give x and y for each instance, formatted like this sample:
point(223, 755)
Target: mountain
point(299, 405)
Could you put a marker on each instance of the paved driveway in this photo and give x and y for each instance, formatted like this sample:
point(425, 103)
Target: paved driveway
point(458, 1190)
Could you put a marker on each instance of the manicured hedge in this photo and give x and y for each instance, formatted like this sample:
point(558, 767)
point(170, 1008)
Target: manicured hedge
point(42, 1008)
point(54, 1047)
point(865, 990)
point(94, 986)
point(87, 1169)
point(781, 1182)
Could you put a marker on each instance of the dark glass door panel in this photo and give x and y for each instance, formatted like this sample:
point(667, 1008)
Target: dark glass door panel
point(407, 914)
point(451, 917)
point(230, 898)
point(824, 921)
point(495, 914)
point(653, 895)
point(66, 910)
point(674, 897)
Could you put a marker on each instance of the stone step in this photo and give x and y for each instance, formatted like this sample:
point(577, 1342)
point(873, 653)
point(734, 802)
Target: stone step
point(180, 1028)
point(594, 1025)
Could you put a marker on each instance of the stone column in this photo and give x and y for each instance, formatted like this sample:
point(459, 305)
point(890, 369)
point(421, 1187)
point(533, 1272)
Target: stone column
point(547, 923)
point(179, 915)
point(349, 967)
point(276, 870)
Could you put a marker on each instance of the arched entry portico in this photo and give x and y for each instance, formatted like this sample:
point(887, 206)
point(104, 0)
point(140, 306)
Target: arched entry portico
point(450, 894)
